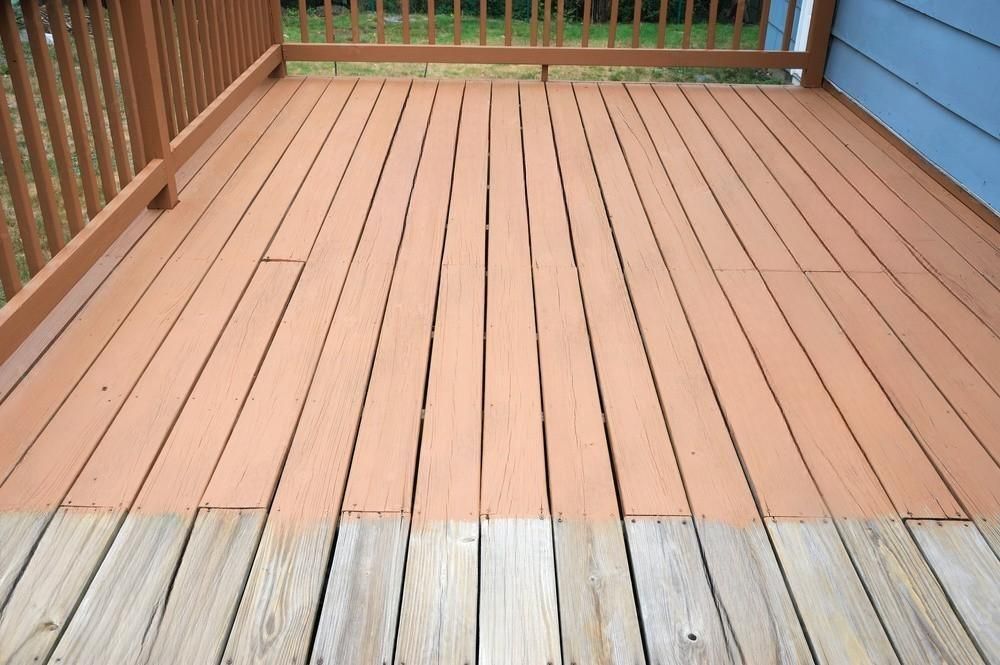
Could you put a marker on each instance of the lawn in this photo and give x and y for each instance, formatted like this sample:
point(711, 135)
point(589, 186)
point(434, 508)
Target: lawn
point(573, 31)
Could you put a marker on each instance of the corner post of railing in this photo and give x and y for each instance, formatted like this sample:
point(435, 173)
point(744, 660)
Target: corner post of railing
point(277, 34)
point(818, 43)
point(142, 54)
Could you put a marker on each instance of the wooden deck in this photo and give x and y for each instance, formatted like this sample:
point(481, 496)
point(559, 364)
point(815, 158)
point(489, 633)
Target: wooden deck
point(455, 372)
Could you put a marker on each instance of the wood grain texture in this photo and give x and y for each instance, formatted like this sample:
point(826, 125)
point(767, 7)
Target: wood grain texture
point(914, 609)
point(970, 575)
point(50, 587)
point(438, 616)
point(139, 567)
point(27, 409)
point(361, 607)
point(680, 619)
point(518, 613)
point(207, 586)
point(843, 626)
point(598, 619)
point(756, 608)
point(19, 531)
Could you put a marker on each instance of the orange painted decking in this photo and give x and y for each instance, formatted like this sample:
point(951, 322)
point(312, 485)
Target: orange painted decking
point(517, 373)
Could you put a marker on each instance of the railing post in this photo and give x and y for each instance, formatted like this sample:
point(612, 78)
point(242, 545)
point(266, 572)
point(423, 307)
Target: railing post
point(818, 43)
point(277, 33)
point(146, 72)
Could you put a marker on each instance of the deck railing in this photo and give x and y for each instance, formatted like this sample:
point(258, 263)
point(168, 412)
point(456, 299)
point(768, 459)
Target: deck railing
point(111, 97)
point(103, 100)
point(547, 43)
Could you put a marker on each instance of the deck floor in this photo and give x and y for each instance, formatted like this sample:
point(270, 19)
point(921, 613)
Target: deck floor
point(457, 372)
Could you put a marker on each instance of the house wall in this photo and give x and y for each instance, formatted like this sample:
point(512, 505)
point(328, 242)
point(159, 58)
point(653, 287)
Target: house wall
point(930, 71)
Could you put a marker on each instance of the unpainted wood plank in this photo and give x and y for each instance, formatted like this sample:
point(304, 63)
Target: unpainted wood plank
point(870, 415)
point(385, 453)
point(757, 611)
point(675, 598)
point(850, 251)
point(518, 615)
point(961, 459)
point(360, 609)
point(843, 626)
point(979, 253)
point(28, 408)
point(849, 486)
point(299, 533)
point(597, 610)
point(914, 609)
point(956, 378)
point(878, 234)
point(969, 573)
point(266, 424)
point(647, 472)
point(979, 344)
point(207, 587)
point(766, 447)
point(802, 240)
point(19, 531)
point(54, 459)
point(437, 619)
point(759, 238)
point(44, 599)
point(139, 565)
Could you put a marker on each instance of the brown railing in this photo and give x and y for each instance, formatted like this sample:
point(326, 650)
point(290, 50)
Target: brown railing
point(546, 43)
point(102, 101)
point(111, 97)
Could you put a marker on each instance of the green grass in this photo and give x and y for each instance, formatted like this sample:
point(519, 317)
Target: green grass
point(573, 33)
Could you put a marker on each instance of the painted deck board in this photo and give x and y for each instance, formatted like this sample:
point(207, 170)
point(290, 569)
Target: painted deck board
point(464, 372)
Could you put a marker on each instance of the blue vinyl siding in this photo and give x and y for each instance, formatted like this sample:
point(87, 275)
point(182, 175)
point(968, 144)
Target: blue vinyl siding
point(929, 70)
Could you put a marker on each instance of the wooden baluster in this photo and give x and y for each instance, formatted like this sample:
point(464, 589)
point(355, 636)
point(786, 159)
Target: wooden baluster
point(585, 37)
point(533, 34)
point(547, 24)
point(194, 67)
point(560, 21)
point(355, 25)
point(222, 42)
point(613, 24)
point(431, 21)
point(161, 53)
point(765, 14)
point(738, 24)
point(379, 22)
point(508, 16)
point(18, 184)
point(30, 127)
point(106, 70)
point(786, 35)
point(172, 66)
point(328, 19)
point(187, 60)
point(636, 23)
point(661, 24)
point(126, 79)
point(140, 26)
point(90, 91)
point(688, 19)
point(74, 106)
point(10, 276)
point(46, 76)
point(404, 8)
point(456, 13)
point(303, 23)
point(713, 18)
point(240, 31)
point(277, 32)
point(213, 78)
point(482, 22)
